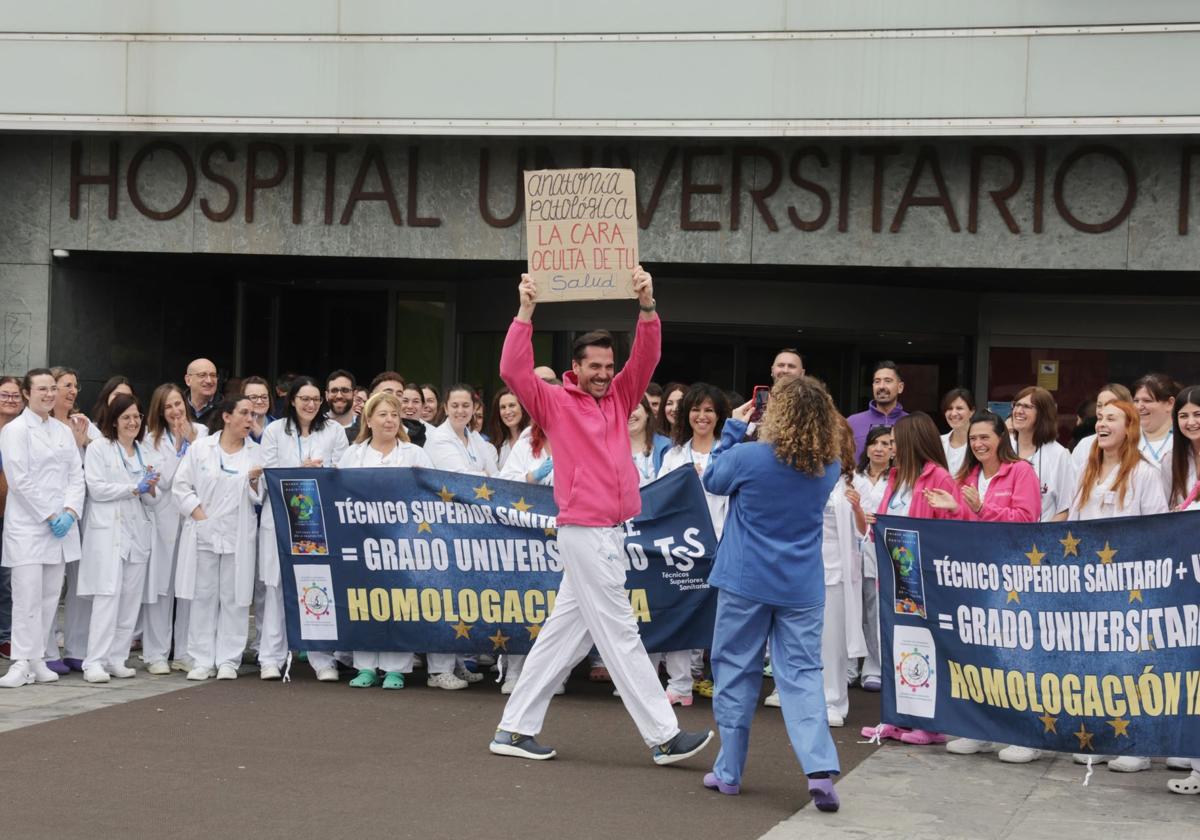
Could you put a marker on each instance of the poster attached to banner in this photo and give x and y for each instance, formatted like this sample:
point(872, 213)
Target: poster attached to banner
point(424, 560)
point(1079, 637)
point(581, 233)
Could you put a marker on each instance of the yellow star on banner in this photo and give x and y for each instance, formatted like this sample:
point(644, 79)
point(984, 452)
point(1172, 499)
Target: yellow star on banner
point(1085, 738)
point(1013, 596)
point(1135, 593)
point(1120, 727)
point(499, 641)
point(424, 528)
point(522, 505)
point(533, 629)
point(483, 492)
point(445, 495)
point(551, 532)
point(1035, 556)
point(462, 630)
point(1050, 722)
point(1107, 553)
point(1070, 545)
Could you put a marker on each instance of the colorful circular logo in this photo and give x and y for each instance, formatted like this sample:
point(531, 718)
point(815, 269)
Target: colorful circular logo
point(302, 504)
point(904, 559)
point(913, 669)
point(316, 602)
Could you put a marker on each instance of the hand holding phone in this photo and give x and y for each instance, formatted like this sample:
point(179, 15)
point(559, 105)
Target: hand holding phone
point(762, 393)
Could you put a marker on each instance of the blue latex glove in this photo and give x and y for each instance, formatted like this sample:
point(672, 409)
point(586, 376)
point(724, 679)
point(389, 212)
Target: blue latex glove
point(544, 470)
point(61, 524)
point(144, 485)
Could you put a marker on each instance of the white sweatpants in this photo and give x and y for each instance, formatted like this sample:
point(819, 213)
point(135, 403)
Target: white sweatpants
point(383, 660)
point(110, 631)
point(35, 591)
point(272, 628)
point(217, 625)
point(834, 661)
point(77, 618)
point(592, 605)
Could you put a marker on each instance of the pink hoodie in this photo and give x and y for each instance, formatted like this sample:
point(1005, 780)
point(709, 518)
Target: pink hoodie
point(933, 477)
point(595, 480)
point(1013, 496)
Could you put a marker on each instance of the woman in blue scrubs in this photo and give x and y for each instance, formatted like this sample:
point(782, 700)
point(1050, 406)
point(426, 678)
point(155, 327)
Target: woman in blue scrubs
point(771, 578)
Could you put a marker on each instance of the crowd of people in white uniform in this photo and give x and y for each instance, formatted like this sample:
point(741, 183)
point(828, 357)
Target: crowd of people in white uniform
point(150, 514)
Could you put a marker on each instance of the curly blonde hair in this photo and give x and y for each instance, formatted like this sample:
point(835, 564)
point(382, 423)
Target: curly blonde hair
point(803, 425)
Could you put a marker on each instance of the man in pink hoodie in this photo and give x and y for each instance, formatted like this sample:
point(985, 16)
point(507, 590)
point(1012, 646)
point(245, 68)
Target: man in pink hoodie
point(596, 489)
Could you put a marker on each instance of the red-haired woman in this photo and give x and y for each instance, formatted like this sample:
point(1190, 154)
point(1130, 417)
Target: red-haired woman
point(1118, 481)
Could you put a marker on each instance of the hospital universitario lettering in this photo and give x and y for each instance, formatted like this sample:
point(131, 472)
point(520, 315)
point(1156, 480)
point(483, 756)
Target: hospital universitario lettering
point(799, 188)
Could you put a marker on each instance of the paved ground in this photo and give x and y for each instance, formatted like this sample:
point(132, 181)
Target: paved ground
point(248, 758)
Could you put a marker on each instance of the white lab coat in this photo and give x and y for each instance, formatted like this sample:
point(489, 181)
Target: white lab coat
point(522, 461)
point(1143, 496)
point(165, 515)
point(843, 565)
point(118, 524)
point(281, 448)
point(199, 481)
point(45, 475)
point(404, 455)
point(1056, 476)
point(446, 450)
point(872, 498)
point(683, 456)
point(954, 455)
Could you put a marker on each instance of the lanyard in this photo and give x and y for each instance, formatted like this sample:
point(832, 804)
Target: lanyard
point(300, 449)
point(692, 457)
point(466, 447)
point(905, 498)
point(645, 465)
point(1157, 453)
point(221, 460)
point(137, 450)
point(1037, 468)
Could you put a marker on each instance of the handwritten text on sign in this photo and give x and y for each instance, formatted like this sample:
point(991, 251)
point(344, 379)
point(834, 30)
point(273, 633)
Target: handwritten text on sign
point(581, 232)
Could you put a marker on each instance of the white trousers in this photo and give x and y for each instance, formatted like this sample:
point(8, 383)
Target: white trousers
point(870, 590)
point(440, 663)
point(216, 625)
point(834, 661)
point(260, 608)
point(383, 660)
point(110, 631)
point(35, 591)
point(273, 641)
point(157, 629)
point(592, 606)
point(77, 617)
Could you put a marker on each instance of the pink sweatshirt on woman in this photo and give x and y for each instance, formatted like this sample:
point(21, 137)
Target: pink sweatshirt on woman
point(1013, 495)
point(933, 477)
point(595, 480)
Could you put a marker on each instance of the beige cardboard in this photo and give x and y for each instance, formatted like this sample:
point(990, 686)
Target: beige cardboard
point(581, 233)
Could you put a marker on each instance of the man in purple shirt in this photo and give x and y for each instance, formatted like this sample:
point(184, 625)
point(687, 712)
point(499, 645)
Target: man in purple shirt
point(885, 409)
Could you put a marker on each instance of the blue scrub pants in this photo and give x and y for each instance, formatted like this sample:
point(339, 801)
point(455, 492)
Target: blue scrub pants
point(739, 640)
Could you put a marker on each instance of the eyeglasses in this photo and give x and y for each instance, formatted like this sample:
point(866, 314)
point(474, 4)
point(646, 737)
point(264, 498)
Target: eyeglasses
point(10, 397)
point(1024, 406)
point(258, 398)
point(308, 400)
point(339, 390)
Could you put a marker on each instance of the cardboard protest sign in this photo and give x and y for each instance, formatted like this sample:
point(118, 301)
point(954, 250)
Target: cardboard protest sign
point(581, 233)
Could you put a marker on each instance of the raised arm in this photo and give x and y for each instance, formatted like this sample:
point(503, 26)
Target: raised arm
point(630, 384)
point(516, 359)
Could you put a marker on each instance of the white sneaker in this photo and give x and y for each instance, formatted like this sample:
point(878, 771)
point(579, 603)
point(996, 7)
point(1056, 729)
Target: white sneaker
point(1179, 764)
point(507, 686)
point(184, 665)
point(158, 669)
point(1129, 764)
point(970, 746)
point(834, 718)
point(227, 672)
point(1019, 755)
point(327, 675)
point(201, 674)
point(120, 671)
point(95, 674)
point(1082, 758)
point(19, 673)
point(772, 699)
point(41, 673)
point(269, 672)
point(447, 681)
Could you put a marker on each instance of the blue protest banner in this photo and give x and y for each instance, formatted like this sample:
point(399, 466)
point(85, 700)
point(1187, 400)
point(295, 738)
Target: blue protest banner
point(423, 560)
point(1075, 637)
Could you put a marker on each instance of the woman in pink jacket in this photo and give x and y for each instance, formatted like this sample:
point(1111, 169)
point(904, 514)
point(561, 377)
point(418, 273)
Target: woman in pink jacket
point(918, 476)
point(994, 484)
